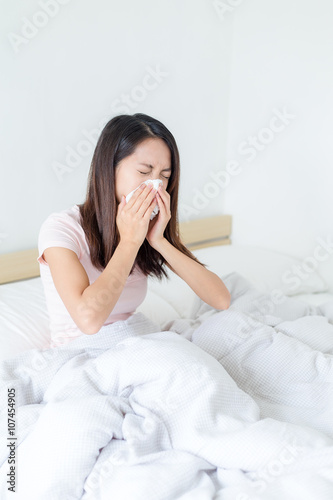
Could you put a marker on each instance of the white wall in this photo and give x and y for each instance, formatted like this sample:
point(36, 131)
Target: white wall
point(64, 80)
point(68, 77)
point(282, 197)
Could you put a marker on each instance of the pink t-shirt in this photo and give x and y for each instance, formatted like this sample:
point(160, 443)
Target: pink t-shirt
point(63, 229)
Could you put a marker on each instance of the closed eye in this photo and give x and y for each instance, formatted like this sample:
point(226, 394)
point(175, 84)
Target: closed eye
point(146, 173)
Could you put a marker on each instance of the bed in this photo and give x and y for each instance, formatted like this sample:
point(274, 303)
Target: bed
point(234, 404)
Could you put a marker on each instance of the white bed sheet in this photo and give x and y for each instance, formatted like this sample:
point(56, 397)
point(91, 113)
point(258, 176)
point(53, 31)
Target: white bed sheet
point(316, 299)
point(249, 367)
point(24, 317)
point(243, 411)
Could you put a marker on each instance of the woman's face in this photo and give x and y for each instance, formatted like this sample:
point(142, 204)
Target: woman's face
point(150, 160)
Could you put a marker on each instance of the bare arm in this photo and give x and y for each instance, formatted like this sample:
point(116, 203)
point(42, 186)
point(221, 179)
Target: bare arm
point(90, 305)
point(206, 284)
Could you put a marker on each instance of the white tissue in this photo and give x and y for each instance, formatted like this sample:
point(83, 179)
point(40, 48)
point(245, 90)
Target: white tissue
point(156, 183)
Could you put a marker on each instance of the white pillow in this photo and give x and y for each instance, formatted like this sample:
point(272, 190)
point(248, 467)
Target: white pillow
point(265, 269)
point(176, 293)
point(24, 320)
point(157, 308)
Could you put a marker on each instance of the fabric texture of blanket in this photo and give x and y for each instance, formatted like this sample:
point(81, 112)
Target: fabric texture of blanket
point(225, 405)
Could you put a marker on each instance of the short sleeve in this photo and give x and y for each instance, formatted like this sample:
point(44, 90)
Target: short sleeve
point(58, 230)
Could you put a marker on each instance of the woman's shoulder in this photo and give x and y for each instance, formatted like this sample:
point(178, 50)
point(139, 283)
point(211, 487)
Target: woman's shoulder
point(62, 229)
point(64, 224)
point(69, 216)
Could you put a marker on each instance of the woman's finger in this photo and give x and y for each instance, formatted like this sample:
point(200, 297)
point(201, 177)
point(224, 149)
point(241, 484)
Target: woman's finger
point(150, 209)
point(122, 203)
point(147, 202)
point(160, 202)
point(164, 198)
point(141, 189)
point(142, 197)
point(164, 195)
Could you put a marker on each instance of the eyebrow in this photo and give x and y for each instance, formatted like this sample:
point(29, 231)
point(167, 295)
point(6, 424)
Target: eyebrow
point(150, 166)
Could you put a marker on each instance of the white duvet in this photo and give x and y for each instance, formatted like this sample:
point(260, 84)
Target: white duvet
point(229, 405)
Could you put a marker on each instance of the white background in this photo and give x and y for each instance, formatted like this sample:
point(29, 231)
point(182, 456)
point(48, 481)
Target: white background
point(225, 71)
point(282, 57)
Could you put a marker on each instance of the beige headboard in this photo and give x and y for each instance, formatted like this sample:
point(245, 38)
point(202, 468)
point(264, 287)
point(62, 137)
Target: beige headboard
point(198, 233)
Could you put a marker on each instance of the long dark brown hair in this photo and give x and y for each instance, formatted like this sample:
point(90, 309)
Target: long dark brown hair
point(119, 138)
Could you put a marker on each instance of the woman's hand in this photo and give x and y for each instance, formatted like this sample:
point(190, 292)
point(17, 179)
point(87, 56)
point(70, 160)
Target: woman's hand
point(133, 217)
point(157, 226)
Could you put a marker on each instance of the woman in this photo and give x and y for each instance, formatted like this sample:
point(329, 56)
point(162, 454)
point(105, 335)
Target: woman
point(95, 257)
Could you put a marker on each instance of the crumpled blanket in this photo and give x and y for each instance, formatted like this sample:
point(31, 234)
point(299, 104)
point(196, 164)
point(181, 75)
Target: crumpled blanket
point(225, 405)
